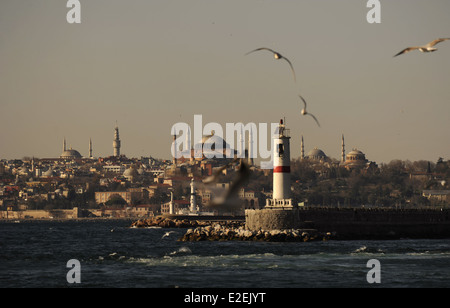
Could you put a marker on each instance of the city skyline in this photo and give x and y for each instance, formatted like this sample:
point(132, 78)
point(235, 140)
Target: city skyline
point(151, 65)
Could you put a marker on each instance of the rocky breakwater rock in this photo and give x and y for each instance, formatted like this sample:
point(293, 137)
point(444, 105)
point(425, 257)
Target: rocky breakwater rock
point(167, 223)
point(218, 232)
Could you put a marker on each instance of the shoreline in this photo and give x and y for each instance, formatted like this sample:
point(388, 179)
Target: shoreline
point(20, 220)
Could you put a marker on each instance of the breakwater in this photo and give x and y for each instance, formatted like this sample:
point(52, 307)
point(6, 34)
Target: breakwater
point(378, 223)
point(174, 221)
point(219, 229)
point(220, 232)
point(360, 223)
point(313, 224)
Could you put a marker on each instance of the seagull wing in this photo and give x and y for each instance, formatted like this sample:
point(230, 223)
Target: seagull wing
point(262, 48)
point(243, 176)
point(304, 102)
point(431, 44)
point(406, 50)
point(280, 56)
point(314, 118)
point(292, 68)
point(215, 177)
point(230, 200)
point(210, 179)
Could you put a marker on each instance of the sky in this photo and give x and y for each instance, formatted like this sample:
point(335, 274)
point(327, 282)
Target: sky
point(151, 64)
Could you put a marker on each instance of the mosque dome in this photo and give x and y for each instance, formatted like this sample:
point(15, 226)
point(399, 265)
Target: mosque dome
point(356, 155)
point(23, 171)
point(210, 146)
point(214, 140)
point(48, 173)
point(355, 158)
point(316, 154)
point(71, 154)
point(130, 173)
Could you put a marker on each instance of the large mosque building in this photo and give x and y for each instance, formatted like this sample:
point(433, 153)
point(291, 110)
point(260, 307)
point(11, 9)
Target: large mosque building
point(212, 147)
point(69, 153)
point(351, 160)
point(72, 154)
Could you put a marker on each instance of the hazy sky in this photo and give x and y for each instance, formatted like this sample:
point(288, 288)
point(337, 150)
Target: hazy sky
point(152, 63)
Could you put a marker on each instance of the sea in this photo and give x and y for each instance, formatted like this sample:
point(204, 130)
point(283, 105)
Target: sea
point(111, 254)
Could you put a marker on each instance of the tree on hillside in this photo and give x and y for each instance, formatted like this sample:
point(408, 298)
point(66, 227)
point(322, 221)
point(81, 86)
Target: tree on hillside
point(116, 201)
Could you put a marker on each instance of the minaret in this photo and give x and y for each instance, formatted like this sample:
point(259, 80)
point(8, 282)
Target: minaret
point(193, 208)
point(90, 148)
point(281, 170)
point(187, 153)
point(343, 150)
point(171, 205)
point(175, 148)
point(250, 147)
point(302, 151)
point(241, 145)
point(116, 142)
point(64, 144)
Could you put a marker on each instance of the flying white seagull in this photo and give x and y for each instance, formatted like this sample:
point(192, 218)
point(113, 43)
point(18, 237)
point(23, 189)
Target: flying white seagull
point(304, 112)
point(215, 177)
point(425, 48)
point(230, 199)
point(277, 56)
point(167, 234)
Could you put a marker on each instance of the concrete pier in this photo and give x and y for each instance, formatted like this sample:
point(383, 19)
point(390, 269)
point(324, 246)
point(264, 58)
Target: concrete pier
point(272, 219)
point(352, 224)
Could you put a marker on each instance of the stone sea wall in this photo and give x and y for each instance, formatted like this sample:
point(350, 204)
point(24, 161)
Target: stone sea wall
point(388, 215)
point(378, 223)
point(220, 232)
point(352, 224)
point(174, 222)
point(229, 230)
point(41, 214)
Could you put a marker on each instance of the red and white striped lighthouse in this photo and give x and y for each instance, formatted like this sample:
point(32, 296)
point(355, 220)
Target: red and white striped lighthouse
point(281, 169)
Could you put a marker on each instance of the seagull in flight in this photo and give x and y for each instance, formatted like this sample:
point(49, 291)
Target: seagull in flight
point(215, 177)
point(277, 56)
point(304, 112)
point(230, 199)
point(167, 234)
point(425, 48)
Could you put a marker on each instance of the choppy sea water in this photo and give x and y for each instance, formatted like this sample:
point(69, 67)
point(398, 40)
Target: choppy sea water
point(111, 254)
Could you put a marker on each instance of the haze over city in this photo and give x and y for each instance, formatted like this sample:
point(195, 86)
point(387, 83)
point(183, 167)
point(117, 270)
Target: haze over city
point(151, 64)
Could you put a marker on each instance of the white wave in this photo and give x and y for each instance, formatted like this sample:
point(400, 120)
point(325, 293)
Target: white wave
point(183, 257)
point(143, 228)
point(367, 250)
point(361, 249)
point(430, 254)
point(181, 250)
